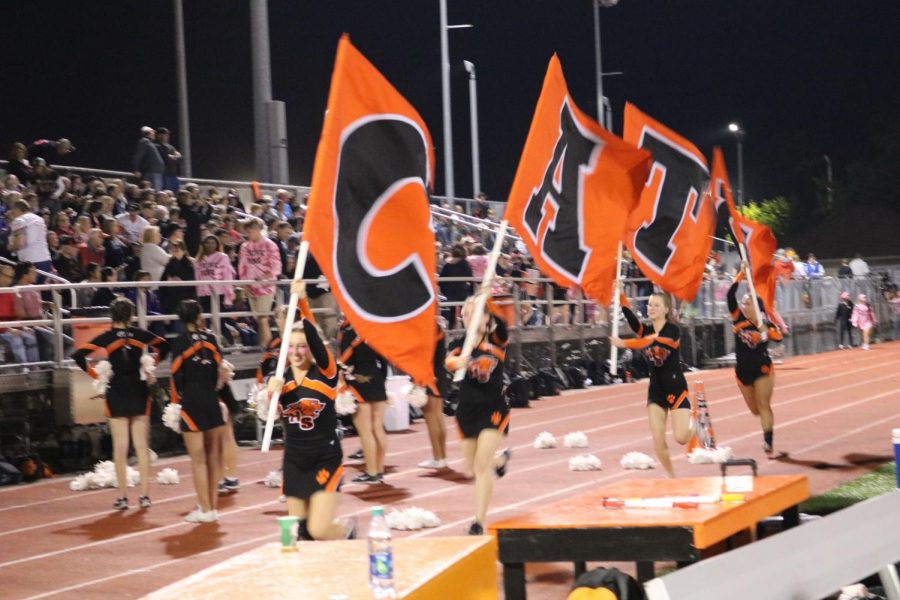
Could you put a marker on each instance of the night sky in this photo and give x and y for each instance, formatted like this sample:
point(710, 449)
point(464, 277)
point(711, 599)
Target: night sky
point(804, 77)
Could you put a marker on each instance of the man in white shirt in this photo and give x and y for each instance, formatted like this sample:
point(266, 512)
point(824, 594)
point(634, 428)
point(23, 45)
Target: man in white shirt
point(133, 224)
point(859, 267)
point(28, 237)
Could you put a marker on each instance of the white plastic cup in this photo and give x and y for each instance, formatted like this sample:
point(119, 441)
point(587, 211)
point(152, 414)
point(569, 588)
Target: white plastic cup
point(896, 435)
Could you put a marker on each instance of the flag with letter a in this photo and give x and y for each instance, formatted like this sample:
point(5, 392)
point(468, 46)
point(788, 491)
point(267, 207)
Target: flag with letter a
point(574, 188)
point(669, 235)
point(368, 221)
point(757, 239)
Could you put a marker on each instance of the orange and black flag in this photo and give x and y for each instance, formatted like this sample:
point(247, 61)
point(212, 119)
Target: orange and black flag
point(670, 233)
point(368, 221)
point(757, 239)
point(574, 189)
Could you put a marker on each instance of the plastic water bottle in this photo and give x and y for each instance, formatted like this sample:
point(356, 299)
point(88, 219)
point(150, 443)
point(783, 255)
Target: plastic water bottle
point(381, 558)
point(896, 438)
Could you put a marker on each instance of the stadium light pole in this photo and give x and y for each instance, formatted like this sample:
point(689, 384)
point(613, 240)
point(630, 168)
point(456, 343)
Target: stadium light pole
point(601, 113)
point(828, 174)
point(739, 136)
point(473, 120)
point(184, 128)
point(449, 190)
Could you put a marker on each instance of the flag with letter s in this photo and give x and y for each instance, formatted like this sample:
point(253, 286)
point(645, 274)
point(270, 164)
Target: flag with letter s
point(368, 220)
point(574, 189)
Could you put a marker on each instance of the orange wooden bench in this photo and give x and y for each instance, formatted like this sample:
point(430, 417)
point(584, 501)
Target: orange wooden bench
point(580, 529)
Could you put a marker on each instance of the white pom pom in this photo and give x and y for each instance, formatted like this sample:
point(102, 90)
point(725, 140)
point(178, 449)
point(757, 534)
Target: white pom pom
point(171, 417)
point(412, 518)
point(103, 369)
point(226, 374)
point(544, 440)
point(700, 456)
point(637, 460)
point(148, 369)
point(168, 476)
point(415, 395)
point(80, 483)
point(273, 479)
point(261, 402)
point(576, 439)
point(345, 403)
point(584, 462)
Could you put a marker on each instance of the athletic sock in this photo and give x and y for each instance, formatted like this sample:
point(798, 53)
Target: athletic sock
point(767, 436)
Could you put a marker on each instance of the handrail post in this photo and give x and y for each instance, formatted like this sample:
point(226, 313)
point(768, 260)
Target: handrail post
point(216, 317)
point(56, 311)
point(517, 322)
point(141, 307)
point(551, 333)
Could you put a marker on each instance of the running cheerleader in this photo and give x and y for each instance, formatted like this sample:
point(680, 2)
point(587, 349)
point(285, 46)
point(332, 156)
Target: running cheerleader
point(434, 408)
point(754, 370)
point(312, 452)
point(668, 392)
point(365, 376)
point(127, 396)
point(483, 413)
point(194, 385)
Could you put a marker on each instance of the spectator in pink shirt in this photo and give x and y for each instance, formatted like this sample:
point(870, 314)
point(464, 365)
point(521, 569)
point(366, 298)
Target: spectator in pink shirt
point(259, 260)
point(213, 265)
point(478, 260)
point(863, 318)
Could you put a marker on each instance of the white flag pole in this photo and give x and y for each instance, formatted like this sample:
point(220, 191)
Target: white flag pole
point(750, 286)
point(285, 342)
point(614, 316)
point(480, 301)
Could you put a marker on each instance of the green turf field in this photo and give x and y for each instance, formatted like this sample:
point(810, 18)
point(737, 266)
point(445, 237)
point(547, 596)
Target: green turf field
point(880, 481)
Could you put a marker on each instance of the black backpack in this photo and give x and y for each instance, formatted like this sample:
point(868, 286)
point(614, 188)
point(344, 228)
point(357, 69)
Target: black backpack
point(624, 586)
point(517, 390)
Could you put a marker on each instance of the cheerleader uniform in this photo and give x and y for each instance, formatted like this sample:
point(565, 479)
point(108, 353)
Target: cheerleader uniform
point(668, 387)
point(481, 401)
point(442, 379)
point(369, 368)
point(750, 344)
point(312, 451)
point(194, 376)
point(127, 395)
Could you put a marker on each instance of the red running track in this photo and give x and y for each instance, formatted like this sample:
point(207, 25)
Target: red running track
point(834, 412)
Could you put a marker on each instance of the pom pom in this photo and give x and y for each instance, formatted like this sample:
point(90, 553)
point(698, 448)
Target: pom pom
point(224, 410)
point(345, 403)
point(584, 462)
point(148, 369)
point(171, 417)
point(103, 476)
point(415, 395)
point(226, 374)
point(636, 460)
point(168, 476)
point(412, 518)
point(273, 479)
point(261, 402)
point(80, 483)
point(701, 456)
point(103, 369)
point(544, 440)
point(576, 439)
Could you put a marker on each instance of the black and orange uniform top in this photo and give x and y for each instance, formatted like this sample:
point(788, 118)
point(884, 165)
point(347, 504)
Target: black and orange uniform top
point(127, 395)
point(751, 346)
point(269, 360)
point(662, 349)
point(366, 381)
point(195, 372)
point(442, 378)
point(312, 451)
point(481, 401)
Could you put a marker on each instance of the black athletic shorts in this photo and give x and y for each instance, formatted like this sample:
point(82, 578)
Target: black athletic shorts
point(472, 418)
point(305, 473)
point(747, 374)
point(669, 400)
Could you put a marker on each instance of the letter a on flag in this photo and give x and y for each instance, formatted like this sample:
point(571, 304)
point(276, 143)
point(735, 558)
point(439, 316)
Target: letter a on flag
point(574, 189)
point(669, 235)
point(757, 239)
point(368, 221)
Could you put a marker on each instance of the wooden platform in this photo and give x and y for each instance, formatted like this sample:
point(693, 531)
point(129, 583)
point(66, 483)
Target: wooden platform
point(580, 528)
point(450, 567)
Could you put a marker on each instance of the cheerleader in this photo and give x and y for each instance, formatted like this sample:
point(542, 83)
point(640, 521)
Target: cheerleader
point(312, 466)
point(194, 386)
point(365, 374)
point(434, 407)
point(668, 392)
point(863, 318)
point(483, 414)
point(127, 394)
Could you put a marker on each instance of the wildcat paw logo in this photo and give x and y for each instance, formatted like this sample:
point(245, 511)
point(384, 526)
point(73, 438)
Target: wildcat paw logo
point(322, 476)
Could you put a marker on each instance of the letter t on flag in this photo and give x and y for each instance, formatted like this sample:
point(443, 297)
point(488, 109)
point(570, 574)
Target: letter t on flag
point(574, 189)
point(368, 221)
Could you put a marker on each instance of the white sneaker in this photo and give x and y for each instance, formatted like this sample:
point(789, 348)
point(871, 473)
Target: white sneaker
point(199, 516)
point(840, 346)
point(433, 463)
point(865, 346)
point(282, 498)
